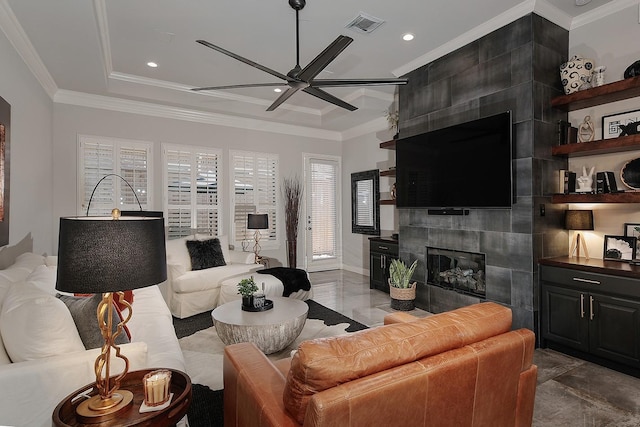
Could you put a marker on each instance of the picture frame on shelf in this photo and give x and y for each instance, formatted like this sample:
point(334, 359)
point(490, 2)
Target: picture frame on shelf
point(633, 229)
point(620, 248)
point(610, 123)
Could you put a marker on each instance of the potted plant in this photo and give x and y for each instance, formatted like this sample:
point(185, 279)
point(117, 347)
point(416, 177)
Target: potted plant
point(292, 191)
point(246, 288)
point(402, 292)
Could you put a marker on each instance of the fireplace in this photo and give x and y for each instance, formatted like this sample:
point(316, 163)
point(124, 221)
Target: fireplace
point(457, 270)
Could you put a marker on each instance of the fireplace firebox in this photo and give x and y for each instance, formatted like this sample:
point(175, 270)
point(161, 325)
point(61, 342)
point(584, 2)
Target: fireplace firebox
point(457, 270)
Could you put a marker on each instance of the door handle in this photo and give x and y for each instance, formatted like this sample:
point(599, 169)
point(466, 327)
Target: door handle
point(384, 248)
point(383, 261)
point(582, 306)
point(590, 307)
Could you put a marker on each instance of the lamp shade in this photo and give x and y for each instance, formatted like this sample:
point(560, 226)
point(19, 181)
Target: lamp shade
point(258, 221)
point(578, 220)
point(100, 254)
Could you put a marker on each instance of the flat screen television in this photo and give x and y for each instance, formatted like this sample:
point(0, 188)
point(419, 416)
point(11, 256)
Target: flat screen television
point(467, 165)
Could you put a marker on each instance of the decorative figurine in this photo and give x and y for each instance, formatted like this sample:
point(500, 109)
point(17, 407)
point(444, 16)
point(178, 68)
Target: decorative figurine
point(585, 130)
point(598, 76)
point(629, 129)
point(585, 182)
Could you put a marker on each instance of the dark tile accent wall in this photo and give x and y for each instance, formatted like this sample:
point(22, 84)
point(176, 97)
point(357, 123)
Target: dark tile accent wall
point(513, 68)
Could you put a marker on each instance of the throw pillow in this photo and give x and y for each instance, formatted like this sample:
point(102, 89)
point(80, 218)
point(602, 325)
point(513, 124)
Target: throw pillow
point(205, 254)
point(35, 325)
point(83, 311)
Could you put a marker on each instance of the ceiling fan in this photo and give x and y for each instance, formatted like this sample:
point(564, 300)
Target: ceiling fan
point(304, 78)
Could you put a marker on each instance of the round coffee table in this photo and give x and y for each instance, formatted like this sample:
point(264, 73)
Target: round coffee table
point(271, 330)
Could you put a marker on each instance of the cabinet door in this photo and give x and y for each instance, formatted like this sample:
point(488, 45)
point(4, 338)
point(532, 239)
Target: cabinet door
point(613, 330)
point(564, 317)
point(377, 271)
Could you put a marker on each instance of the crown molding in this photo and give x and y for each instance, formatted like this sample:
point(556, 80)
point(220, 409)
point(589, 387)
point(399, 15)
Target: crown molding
point(552, 13)
point(369, 128)
point(221, 94)
point(100, 9)
point(602, 12)
point(21, 43)
point(168, 112)
point(470, 36)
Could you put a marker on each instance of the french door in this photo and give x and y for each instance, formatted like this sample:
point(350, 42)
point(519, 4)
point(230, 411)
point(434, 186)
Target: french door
point(323, 243)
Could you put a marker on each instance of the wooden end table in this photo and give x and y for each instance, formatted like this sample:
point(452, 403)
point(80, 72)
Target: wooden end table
point(65, 412)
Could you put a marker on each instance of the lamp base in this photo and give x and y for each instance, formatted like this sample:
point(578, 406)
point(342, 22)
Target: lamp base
point(96, 410)
point(575, 247)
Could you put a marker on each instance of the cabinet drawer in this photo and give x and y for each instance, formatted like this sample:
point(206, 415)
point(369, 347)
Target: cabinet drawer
point(384, 248)
point(589, 281)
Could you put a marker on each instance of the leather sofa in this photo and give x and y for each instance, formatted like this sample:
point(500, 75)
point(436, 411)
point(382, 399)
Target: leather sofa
point(465, 367)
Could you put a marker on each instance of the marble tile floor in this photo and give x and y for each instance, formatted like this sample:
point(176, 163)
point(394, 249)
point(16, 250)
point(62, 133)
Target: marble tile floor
point(570, 392)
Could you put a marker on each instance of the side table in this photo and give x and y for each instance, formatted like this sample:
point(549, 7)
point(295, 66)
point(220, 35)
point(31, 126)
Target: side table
point(65, 412)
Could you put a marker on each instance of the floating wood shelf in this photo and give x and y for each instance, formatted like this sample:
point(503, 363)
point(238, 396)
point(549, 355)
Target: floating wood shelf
point(616, 91)
point(603, 146)
point(626, 197)
point(388, 145)
point(387, 202)
point(390, 172)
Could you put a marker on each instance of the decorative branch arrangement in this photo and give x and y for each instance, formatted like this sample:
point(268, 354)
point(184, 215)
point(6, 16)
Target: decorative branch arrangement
point(292, 190)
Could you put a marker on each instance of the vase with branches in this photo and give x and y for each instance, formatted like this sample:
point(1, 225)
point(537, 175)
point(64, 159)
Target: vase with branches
point(292, 190)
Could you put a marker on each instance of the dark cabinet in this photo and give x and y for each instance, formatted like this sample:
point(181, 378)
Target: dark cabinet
point(381, 253)
point(596, 314)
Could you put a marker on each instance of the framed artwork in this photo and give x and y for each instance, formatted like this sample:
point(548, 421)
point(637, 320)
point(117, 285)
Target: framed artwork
point(633, 230)
point(620, 248)
point(611, 123)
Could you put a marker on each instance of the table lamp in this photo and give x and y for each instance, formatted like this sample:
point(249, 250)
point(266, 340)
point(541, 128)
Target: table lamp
point(257, 222)
point(578, 220)
point(106, 255)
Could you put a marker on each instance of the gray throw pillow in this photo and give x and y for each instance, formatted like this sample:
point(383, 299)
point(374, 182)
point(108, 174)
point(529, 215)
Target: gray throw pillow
point(83, 310)
point(205, 254)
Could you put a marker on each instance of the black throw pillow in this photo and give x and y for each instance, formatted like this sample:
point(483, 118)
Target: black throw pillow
point(205, 254)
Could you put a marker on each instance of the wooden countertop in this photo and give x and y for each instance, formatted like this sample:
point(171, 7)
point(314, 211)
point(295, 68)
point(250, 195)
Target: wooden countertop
point(383, 239)
point(594, 265)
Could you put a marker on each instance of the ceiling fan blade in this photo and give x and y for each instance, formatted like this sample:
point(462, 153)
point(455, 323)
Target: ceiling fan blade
point(245, 60)
point(319, 93)
point(326, 56)
point(197, 89)
point(283, 97)
point(357, 82)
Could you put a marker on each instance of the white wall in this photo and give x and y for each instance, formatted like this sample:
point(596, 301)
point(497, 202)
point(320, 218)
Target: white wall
point(611, 42)
point(31, 192)
point(70, 121)
point(358, 155)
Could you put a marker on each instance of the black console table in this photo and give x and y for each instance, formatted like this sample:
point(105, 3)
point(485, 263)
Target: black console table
point(591, 309)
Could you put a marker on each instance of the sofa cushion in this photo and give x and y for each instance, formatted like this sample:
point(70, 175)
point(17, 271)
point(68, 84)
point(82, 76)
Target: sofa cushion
point(83, 311)
point(177, 252)
point(4, 357)
point(224, 244)
point(205, 254)
point(210, 278)
point(35, 324)
point(327, 362)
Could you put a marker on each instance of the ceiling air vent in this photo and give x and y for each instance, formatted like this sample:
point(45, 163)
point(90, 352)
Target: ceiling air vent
point(364, 23)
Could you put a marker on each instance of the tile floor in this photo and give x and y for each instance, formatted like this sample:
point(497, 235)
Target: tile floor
point(571, 392)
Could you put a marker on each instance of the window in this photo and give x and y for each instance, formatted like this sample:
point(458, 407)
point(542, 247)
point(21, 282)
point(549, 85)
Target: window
point(255, 190)
point(191, 179)
point(100, 156)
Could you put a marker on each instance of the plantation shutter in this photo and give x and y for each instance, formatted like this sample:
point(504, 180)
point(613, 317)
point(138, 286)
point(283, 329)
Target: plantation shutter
point(364, 201)
point(192, 183)
point(100, 157)
point(255, 178)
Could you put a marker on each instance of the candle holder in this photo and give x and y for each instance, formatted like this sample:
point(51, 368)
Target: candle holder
point(156, 387)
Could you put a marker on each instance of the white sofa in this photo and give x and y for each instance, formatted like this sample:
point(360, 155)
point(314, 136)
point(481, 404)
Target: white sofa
point(189, 292)
point(33, 326)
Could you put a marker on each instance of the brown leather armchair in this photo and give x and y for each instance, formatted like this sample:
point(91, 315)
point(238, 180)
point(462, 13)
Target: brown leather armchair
point(460, 368)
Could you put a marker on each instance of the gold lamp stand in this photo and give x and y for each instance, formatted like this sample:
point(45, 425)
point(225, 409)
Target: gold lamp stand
point(110, 401)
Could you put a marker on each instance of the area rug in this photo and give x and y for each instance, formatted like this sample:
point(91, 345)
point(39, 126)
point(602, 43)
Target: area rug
point(203, 351)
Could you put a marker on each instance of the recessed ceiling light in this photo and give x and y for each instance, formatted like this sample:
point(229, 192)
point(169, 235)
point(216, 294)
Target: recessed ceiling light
point(152, 64)
point(277, 90)
point(407, 37)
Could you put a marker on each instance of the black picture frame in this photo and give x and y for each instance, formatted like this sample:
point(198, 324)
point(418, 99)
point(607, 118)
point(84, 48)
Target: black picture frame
point(620, 248)
point(365, 191)
point(632, 229)
point(610, 122)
